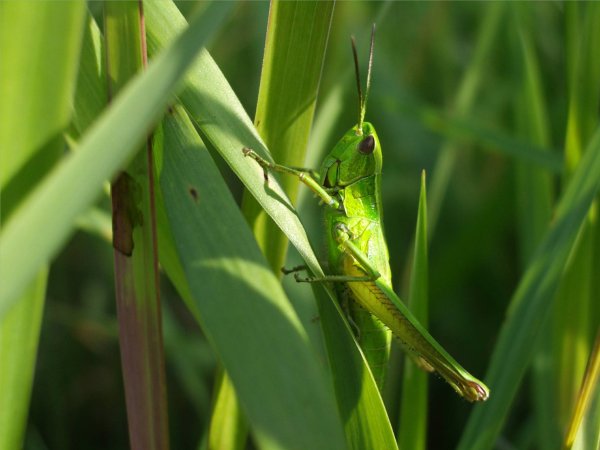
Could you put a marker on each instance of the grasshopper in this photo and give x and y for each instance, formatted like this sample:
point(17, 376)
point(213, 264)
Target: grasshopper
point(349, 185)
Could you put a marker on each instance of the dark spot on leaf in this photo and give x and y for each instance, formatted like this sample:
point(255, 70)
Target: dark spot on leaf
point(194, 193)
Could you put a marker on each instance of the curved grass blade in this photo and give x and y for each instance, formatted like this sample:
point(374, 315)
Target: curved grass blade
point(37, 230)
point(296, 40)
point(222, 120)
point(240, 303)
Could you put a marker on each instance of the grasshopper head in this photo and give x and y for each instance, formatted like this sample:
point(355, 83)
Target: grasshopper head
point(354, 157)
point(358, 154)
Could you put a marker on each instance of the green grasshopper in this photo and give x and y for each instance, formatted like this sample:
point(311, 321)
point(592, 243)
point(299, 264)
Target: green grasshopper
point(349, 184)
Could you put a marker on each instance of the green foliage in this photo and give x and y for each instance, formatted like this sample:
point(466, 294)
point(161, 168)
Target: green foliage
point(473, 93)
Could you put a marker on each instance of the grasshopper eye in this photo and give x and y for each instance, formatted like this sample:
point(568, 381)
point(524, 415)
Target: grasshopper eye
point(367, 145)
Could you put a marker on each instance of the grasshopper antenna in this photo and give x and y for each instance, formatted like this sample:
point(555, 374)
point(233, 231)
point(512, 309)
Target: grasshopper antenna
point(361, 116)
point(362, 100)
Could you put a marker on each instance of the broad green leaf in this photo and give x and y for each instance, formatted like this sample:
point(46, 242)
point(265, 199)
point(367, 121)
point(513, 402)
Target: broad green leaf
point(219, 115)
point(240, 303)
point(45, 220)
point(531, 303)
point(297, 35)
point(215, 109)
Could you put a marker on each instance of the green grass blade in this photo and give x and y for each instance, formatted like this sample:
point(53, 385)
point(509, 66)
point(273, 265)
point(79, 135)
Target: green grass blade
point(38, 74)
point(90, 96)
point(584, 427)
point(37, 230)
point(412, 431)
point(296, 40)
point(466, 129)
point(576, 314)
point(366, 424)
point(534, 201)
point(19, 335)
point(240, 303)
point(134, 248)
point(228, 425)
point(531, 303)
point(229, 129)
point(34, 110)
point(227, 126)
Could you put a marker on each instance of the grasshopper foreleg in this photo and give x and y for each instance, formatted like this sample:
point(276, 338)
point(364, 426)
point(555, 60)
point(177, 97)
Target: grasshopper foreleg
point(295, 269)
point(302, 175)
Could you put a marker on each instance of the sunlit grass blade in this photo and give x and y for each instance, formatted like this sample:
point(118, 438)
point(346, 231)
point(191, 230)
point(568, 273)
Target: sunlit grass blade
point(90, 95)
point(229, 129)
point(364, 417)
point(531, 302)
point(19, 334)
point(239, 302)
point(576, 313)
point(587, 406)
point(412, 431)
point(228, 427)
point(34, 111)
point(296, 40)
point(28, 38)
point(37, 230)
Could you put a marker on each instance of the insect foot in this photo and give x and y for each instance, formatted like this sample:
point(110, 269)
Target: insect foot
point(261, 162)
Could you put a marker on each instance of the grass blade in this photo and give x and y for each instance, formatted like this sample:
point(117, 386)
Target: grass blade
point(589, 394)
point(36, 231)
point(412, 432)
point(240, 303)
point(531, 303)
point(28, 38)
point(576, 315)
point(294, 54)
point(229, 129)
point(19, 335)
point(534, 201)
point(34, 111)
